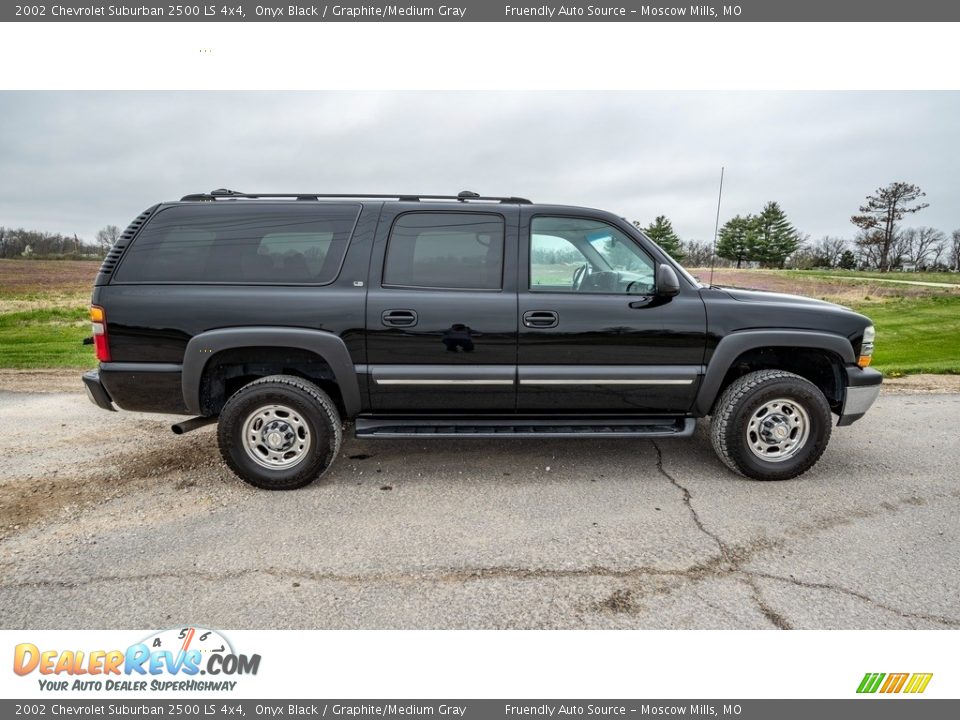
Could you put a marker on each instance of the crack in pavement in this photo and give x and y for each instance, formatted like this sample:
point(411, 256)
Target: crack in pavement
point(906, 615)
point(727, 563)
point(732, 564)
point(687, 497)
point(694, 573)
point(773, 617)
point(734, 567)
point(450, 575)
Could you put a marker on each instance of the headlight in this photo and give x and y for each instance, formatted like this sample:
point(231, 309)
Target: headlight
point(866, 347)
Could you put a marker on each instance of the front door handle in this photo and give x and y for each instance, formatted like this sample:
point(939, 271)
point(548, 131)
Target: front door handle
point(399, 318)
point(540, 319)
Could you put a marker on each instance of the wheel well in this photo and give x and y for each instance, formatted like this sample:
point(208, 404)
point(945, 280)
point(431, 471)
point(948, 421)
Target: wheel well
point(229, 370)
point(821, 367)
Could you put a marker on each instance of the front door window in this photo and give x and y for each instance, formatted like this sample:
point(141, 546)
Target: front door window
point(586, 256)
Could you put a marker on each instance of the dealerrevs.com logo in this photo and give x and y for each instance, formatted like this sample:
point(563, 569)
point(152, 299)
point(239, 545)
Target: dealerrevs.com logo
point(167, 660)
point(910, 683)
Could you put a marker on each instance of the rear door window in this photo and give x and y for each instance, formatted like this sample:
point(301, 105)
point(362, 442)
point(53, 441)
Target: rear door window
point(445, 250)
point(281, 243)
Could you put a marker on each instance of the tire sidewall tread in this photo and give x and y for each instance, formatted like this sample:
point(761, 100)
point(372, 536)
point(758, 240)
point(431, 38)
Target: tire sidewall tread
point(318, 411)
point(740, 399)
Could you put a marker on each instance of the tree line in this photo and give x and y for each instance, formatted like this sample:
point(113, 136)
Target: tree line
point(22, 243)
point(769, 239)
point(766, 238)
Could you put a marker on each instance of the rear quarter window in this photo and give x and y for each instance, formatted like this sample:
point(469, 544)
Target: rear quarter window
point(286, 243)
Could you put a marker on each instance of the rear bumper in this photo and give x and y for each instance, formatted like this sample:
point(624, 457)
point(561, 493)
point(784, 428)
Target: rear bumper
point(96, 391)
point(144, 387)
point(863, 387)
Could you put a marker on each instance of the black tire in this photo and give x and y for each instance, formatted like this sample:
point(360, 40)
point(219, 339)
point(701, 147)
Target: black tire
point(753, 393)
point(315, 415)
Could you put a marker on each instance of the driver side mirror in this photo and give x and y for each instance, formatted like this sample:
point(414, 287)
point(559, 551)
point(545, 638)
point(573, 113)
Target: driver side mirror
point(668, 284)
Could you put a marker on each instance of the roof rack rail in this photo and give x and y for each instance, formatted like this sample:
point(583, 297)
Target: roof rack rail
point(464, 196)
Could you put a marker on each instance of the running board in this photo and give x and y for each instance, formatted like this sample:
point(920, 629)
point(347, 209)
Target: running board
point(519, 427)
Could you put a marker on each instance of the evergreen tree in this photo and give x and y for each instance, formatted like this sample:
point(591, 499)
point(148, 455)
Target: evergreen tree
point(662, 233)
point(736, 237)
point(848, 261)
point(774, 239)
point(879, 218)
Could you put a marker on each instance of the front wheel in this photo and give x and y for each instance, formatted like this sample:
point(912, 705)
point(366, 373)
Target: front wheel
point(771, 425)
point(279, 432)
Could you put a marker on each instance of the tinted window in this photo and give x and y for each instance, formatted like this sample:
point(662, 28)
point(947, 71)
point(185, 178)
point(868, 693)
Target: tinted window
point(585, 255)
point(553, 261)
point(445, 250)
point(251, 243)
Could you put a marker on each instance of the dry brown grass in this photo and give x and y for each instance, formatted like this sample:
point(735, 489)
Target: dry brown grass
point(45, 277)
point(845, 292)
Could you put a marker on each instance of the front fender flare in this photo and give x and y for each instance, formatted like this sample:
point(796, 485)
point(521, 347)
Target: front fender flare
point(330, 347)
point(735, 344)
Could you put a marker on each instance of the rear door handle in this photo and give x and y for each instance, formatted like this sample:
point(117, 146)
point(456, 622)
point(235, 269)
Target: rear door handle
point(540, 319)
point(399, 318)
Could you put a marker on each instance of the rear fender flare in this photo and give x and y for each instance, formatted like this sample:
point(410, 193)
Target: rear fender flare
point(330, 347)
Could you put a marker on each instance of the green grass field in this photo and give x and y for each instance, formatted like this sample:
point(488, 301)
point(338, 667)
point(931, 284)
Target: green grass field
point(916, 335)
point(45, 338)
point(43, 312)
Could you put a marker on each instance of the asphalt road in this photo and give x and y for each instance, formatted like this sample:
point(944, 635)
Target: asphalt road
point(108, 520)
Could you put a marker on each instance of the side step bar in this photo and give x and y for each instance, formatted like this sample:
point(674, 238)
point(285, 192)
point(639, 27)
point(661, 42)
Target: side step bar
point(520, 427)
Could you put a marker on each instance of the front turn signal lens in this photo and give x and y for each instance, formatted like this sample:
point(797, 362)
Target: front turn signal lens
point(866, 346)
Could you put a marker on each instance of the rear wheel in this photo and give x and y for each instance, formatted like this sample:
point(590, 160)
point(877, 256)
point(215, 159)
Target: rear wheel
point(279, 432)
point(771, 425)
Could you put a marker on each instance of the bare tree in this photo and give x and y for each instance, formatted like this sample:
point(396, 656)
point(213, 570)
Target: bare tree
point(806, 258)
point(901, 249)
point(697, 254)
point(883, 210)
point(954, 258)
point(827, 250)
point(869, 245)
point(107, 237)
point(936, 252)
point(917, 244)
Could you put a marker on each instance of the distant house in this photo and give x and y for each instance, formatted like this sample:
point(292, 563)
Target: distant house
point(907, 267)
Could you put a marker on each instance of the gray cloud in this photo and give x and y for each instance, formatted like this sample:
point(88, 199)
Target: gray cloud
point(75, 161)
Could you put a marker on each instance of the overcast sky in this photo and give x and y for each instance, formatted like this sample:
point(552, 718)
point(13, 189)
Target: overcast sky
point(74, 161)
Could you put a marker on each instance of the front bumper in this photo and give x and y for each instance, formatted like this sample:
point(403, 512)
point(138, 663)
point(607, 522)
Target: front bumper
point(96, 392)
point(863, 387)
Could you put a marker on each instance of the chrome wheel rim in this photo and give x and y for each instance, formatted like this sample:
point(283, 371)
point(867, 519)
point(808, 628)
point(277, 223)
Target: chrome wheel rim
point(276, 437)
point(778, 430)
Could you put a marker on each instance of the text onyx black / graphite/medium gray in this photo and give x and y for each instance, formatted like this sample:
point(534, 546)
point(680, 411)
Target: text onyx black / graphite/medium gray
point(484, 11)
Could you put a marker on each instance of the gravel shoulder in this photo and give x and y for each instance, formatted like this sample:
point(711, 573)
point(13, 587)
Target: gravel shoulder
point(109, 520)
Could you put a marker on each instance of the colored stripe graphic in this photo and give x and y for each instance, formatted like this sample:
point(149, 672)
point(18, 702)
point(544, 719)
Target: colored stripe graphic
point(918, 682)
point(870, 682)
point(894, 682)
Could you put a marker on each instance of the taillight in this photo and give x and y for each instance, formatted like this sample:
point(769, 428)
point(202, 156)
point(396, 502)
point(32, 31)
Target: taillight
point(100, 345)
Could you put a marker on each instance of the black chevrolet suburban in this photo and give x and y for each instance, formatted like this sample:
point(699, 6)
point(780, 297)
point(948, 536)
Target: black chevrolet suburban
point(279, 317)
